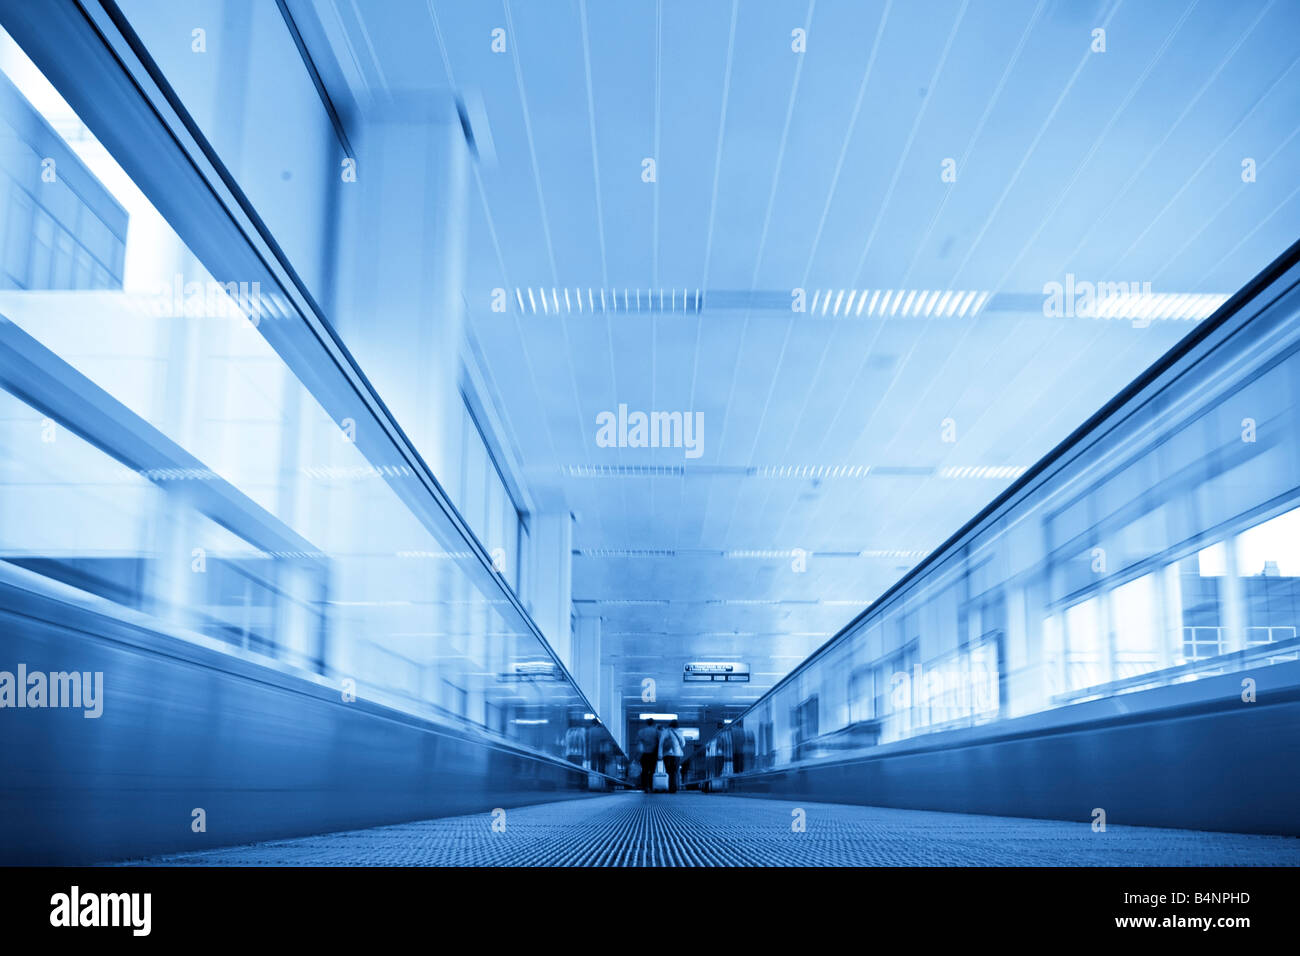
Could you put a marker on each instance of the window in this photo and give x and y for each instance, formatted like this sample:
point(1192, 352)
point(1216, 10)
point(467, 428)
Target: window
point(862, 693)
point(1268, 560)
point(1134, 611)
point(1085, 660)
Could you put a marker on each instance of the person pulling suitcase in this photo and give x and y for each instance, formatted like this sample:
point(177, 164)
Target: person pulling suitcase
point(672, 746)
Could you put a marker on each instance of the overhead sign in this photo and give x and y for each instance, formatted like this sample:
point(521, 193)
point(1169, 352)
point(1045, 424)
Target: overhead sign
point(530, 671)
point(715, 671)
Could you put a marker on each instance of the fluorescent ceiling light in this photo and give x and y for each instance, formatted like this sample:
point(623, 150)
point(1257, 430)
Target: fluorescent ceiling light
point(983, 471)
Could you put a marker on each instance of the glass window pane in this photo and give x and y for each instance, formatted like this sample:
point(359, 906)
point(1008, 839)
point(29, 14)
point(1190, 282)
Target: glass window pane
point(1134, 609)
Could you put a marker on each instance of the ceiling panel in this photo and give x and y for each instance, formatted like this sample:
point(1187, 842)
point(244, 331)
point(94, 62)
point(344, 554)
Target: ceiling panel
point(822, 170)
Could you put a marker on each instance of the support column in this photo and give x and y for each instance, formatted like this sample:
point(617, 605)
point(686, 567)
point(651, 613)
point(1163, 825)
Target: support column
point(551, 597)
point(586, 660)
point(402, 271)
point(1233, 601)
point(611, 705)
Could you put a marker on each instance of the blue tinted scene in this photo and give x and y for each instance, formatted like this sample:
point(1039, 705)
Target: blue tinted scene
point(657, 433)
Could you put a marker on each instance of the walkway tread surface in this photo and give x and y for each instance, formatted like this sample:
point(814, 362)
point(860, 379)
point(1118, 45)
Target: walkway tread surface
point(692, 829)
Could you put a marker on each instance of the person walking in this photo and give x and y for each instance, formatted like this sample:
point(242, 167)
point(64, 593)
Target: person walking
point(672, 747)
point(647, 743)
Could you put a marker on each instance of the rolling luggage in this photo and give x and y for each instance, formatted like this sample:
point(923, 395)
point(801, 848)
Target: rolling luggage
point(660, 782)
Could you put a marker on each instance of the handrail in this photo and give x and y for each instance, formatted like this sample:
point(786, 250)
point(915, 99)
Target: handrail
point(1165, 674)
point(64, 605)
point(1218, 321)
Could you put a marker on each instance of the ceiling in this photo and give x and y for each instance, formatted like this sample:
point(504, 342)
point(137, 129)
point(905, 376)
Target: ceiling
point(823, 430)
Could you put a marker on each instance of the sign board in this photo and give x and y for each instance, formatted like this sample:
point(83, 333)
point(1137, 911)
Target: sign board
point(715, 671)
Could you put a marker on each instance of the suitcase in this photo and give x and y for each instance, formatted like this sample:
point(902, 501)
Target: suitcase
point(660, 782)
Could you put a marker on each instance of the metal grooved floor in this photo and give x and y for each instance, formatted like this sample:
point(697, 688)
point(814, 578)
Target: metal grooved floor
point(692, 829)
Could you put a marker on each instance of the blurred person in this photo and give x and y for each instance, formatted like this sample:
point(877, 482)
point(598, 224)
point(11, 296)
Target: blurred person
point(671, 749)
point(647, 745)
